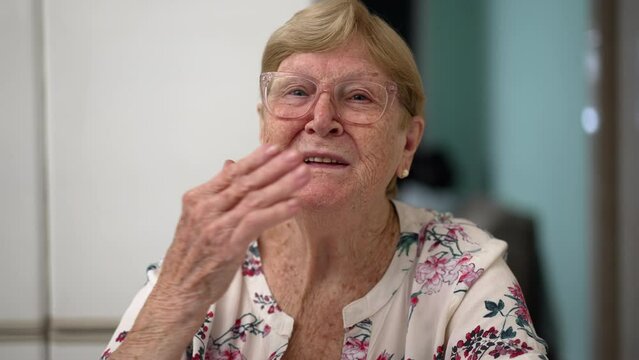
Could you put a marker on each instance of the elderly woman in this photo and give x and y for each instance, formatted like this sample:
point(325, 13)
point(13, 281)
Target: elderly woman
point(297, 250)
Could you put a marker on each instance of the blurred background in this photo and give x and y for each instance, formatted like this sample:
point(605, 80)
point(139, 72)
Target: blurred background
point(109, 111)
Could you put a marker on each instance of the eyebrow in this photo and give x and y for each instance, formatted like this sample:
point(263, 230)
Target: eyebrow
point(352, 75)
point(360, 74)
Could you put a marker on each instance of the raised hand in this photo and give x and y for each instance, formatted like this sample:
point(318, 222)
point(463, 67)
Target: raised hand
point(220, 218)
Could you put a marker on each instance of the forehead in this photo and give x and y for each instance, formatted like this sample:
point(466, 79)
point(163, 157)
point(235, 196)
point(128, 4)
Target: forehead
point(348, 61)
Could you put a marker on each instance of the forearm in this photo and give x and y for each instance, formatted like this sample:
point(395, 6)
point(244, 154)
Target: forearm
point(162, 330)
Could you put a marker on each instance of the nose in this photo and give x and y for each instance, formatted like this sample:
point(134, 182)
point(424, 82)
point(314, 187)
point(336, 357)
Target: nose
point(325, 119)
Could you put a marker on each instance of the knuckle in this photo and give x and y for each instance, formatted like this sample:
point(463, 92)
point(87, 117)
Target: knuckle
point(239, 191)
point(251, 221)
point(254, 200)
point(244, 185)
point(226, 197)
point(189, 198)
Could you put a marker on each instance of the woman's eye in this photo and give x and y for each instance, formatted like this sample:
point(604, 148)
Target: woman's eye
point(297, 92)
point(360, 97)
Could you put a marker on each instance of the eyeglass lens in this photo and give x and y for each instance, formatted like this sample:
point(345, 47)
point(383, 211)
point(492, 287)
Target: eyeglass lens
point(291, 97)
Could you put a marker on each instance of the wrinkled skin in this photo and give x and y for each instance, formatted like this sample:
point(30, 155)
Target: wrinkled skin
point(271, 185)
point(376, 153)
point(219, 220)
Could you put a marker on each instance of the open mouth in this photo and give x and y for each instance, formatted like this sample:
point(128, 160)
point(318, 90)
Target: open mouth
point(322, 160)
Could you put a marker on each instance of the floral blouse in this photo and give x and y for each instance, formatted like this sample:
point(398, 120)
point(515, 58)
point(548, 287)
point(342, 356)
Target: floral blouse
point(447, 294)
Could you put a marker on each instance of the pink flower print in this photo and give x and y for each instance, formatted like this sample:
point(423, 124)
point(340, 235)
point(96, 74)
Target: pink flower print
point(456, 232)
point(228, 354)
point(439, 355)
point(251, 267)
point(354, 349)
point(516, 292)
point(468, 275)
point(431, 273)
point(513, 348)
point(522, 308)
point(266, 301)
point(121, 336)
point(414, 299)
point(106, 354)
point(266, 331)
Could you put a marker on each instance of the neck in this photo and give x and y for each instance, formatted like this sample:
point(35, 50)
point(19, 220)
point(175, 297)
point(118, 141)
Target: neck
point(329, 244)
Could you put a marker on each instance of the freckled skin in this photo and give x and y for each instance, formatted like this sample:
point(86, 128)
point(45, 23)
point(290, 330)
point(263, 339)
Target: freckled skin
point(297, 270)
point(326, 234)
point(374, 151)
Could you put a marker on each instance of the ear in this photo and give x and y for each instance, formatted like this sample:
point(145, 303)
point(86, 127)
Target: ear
point(414, 133)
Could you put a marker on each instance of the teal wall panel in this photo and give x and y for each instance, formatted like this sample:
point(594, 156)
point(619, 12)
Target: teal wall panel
point(506, 85)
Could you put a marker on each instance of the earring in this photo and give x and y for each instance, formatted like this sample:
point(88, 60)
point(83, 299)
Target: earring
point(404, 174)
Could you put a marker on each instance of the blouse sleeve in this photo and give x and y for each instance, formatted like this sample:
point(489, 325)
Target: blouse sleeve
point(492, 320)
point(131, 313)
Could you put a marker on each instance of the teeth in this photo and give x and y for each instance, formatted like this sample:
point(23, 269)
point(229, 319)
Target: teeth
point(320, 160)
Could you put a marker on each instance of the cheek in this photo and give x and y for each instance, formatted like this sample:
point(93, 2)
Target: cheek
point(278, 132)
point(380, 156)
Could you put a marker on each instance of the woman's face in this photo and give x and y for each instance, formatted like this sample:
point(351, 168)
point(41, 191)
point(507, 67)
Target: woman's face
point(368, 156)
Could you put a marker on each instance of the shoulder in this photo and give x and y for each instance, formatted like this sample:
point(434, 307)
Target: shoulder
point(443, 234)
point(451, 252)
point(461, 281)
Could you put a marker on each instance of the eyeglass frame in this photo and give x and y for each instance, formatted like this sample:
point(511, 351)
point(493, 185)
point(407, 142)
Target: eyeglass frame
point(390, 87)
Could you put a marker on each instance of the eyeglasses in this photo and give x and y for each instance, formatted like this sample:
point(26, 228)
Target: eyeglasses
point(292, 96)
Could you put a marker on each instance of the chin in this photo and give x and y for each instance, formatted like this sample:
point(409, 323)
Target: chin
point(324, 197)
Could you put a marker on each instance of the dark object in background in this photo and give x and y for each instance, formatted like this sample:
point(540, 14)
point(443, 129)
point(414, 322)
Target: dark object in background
point(433, 170)
point(518, 230)
point(397, 14)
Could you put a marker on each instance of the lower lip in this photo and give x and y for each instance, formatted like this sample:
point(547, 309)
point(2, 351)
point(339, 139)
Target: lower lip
point(326, 165)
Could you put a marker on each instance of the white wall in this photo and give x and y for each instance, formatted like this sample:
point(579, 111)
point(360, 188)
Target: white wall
point(144, 99)
point(22, 236)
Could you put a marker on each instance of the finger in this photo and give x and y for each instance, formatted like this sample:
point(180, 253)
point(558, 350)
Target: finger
point(243, 218)
point(232, 170)
point(269, 173)
point(257, 221)
point(282, 189)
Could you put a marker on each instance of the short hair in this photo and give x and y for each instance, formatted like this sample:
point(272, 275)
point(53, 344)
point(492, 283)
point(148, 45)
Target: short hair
point(328, 24)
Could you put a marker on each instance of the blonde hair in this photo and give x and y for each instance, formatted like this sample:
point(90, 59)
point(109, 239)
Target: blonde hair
point(329, 24)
